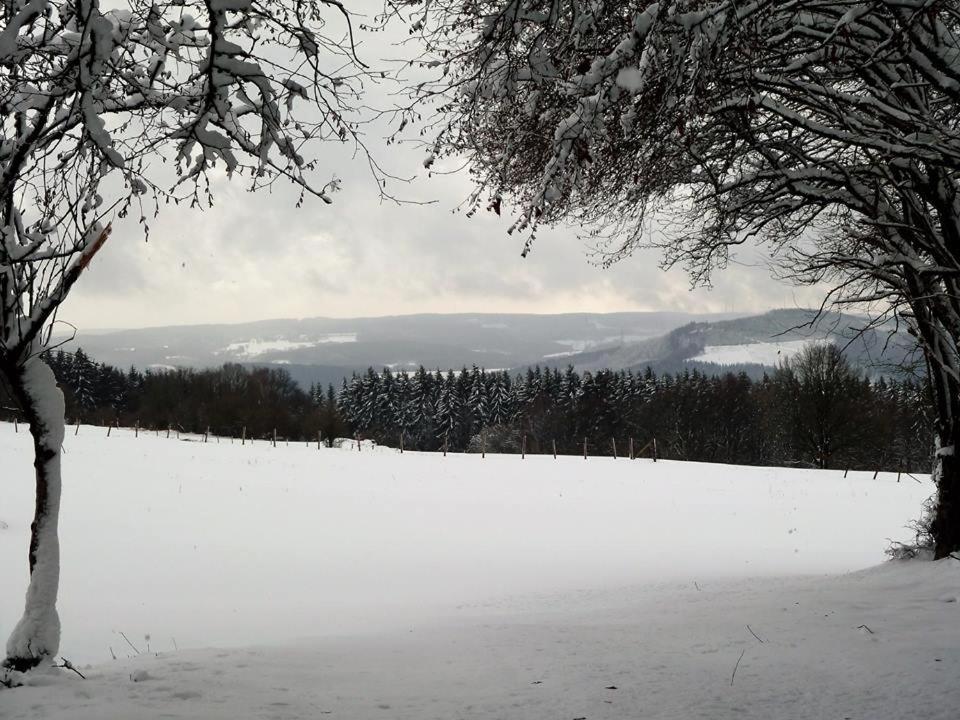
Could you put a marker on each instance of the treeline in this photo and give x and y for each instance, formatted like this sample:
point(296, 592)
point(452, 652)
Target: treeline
point(227, 400)
point(815, 411)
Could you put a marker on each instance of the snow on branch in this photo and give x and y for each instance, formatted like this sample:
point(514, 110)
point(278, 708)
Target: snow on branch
point(113, 111)
point(825, 130)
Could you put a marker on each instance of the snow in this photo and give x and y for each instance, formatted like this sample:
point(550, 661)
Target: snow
point(654, 653)
point(37, 633)
point(257, 347)
point(374, 584)
point(630, 79)
point(762, 353)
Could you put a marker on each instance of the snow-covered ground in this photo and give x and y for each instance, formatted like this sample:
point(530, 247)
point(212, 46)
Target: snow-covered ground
point(370, 584)
point(763, 353)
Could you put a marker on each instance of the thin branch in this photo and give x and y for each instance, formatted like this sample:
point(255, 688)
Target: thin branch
point(735, 667)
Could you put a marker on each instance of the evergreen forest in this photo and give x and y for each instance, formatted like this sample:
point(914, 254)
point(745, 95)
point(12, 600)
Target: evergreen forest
point(814, 411)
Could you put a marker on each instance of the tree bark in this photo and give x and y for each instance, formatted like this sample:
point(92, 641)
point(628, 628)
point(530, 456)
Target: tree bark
point(37, 635)
point(945, 527)
point(940, 349)
point(946, 521)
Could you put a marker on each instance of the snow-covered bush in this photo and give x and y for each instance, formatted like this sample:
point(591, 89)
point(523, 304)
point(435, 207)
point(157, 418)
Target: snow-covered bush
point(496, 439)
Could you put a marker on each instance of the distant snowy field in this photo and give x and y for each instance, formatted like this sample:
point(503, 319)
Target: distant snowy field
point(763, 353)
point(375, 584)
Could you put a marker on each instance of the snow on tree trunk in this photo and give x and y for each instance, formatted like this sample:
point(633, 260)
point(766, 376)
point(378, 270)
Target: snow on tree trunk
point(37, 635)
point(945, 527)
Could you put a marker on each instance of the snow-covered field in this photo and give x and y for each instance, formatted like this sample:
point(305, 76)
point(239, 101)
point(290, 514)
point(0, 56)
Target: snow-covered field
point(257, 347)
point(763, 353)
point(374, 585)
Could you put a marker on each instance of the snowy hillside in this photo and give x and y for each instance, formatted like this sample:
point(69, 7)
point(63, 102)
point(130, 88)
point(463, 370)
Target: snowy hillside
point(400, 342)
point(374, 584)
point(758, 340)
point(761, 353)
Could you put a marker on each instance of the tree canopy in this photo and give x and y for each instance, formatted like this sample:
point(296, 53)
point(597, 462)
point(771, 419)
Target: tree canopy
point(826, 131)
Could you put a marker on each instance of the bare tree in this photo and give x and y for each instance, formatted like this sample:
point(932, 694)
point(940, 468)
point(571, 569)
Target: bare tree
point(826, 131)
point(827, 403)
point(115, 113)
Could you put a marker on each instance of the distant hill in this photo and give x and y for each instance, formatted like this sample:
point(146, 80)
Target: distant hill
point(757, 343)
point(324, 350)
point(332, 346)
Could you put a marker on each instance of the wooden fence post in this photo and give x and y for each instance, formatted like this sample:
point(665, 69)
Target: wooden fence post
point(109, 428)
point(523, 447)
point(206, 435)
point(445, 439)
point(483, 444)
point(243, 437)
point(168, 431)
point(401, 442)
point(319, 438)
point(554, 443)
point(631, 448)
point(16, 425)
point(654, 449)
point(613, 441)
point(136, 429)
point(274, 437)
point(584, 448)
point(359, 448)
point(845, 473)
point(77, 431)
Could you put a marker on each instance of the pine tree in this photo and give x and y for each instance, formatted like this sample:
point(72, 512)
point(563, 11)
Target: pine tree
point(477, 406)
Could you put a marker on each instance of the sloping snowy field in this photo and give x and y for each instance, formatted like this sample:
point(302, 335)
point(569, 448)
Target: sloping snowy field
point(375, 585)
point(763, 353)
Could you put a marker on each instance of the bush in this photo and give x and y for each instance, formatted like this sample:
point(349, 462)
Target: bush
point(503, 439)
point(923, 543)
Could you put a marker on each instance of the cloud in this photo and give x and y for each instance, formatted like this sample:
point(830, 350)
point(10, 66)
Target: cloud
point(259, 256)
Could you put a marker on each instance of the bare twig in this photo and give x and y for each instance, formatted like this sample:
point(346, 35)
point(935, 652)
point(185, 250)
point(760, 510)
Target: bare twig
point(70, 666)
point(732, 676)
point(864, 627)
point(754, 634)
point(129, 643)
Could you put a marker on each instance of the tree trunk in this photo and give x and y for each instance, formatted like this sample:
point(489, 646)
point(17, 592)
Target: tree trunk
point(945, 527)
point(940, 349)
point(37, 635)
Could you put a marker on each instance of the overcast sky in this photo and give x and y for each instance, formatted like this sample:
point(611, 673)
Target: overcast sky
point(255, 257)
